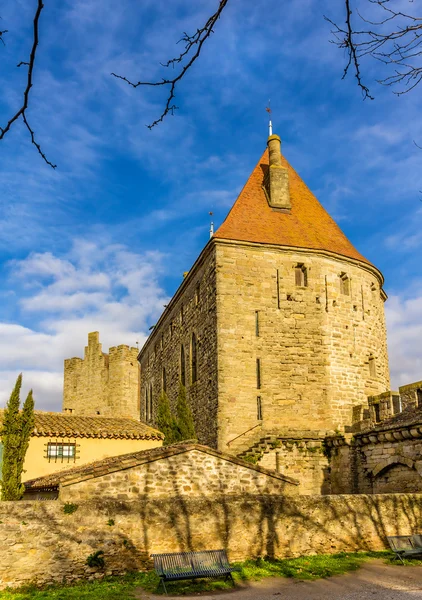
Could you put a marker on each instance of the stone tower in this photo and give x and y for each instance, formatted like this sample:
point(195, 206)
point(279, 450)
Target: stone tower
point(102, 384)
point(278, 328)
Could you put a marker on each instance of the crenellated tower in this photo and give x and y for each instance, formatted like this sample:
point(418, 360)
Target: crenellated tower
point(102, 384)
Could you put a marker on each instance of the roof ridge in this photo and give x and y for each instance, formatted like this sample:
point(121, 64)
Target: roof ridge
point(126, 461)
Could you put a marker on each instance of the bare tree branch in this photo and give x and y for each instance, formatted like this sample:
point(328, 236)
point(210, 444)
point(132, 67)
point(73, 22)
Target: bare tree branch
point(395, 40)
point(22, 110)
point(193, 47)
point(1, 35)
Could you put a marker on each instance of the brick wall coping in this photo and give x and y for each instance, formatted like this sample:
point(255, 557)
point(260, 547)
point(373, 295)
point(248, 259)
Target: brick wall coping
point(128, 461)
point(59, 425)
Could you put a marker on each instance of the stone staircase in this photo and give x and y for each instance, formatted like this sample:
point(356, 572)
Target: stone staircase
point(309, 440)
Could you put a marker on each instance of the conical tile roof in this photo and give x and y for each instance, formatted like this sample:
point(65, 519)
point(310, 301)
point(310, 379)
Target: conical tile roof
point(307, 225)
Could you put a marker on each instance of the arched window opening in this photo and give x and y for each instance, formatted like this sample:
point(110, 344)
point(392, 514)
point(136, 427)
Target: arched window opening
point(419, 398)
point(146, 405)
point(182, 366)
point(377, 413)
point(150, 402)
point(164, 380)
point(194, 364)
point(301, 275)
point(344, 284)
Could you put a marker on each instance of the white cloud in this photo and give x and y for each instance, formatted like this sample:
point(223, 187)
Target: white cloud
point(63, 292)
point(404, 327)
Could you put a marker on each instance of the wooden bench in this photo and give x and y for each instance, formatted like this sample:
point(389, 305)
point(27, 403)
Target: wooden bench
point(192, 565)
point(405, 545)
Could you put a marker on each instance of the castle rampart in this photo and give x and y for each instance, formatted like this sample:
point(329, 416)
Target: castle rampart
point(102, 384)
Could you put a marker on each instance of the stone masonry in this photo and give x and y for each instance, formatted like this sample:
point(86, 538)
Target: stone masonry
point(314, 343)
point(193, 310)
point(41, 543)
point(102, 384)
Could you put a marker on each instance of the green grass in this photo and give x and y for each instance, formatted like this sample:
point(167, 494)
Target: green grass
point(132, 585)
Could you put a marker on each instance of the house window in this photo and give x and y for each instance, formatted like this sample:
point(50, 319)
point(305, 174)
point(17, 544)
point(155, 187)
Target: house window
point(197, 293)
point(396, 405)
point(150, 402)
point(257, 323)
point(344, 284)
point(258, 373)
point(259, 408)
point(194, 359)
point(164, 380)
point(182, 366)
point(61, 452)
point(419, 398)
point(372, 367)
point(377, 413)
point(301, 275)
point(146, 405)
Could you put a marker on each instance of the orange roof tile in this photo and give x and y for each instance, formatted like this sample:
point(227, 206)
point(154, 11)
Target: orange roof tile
point(308, 225)
point(52, 424)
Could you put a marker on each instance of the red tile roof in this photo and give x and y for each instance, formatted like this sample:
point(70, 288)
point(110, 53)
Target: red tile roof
point(308, 225)
point(53, 424)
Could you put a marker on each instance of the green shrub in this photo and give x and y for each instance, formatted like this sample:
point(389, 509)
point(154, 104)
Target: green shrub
point(69, 508)
point(96, 560)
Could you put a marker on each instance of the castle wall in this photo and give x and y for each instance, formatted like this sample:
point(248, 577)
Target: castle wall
point(40, 543)
point(102, 384)
point(192, 311)
point(313, 342)
point(378, 462)
point(300, 457)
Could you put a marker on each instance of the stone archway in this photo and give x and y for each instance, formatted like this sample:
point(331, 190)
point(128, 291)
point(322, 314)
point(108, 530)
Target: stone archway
point(397, 474)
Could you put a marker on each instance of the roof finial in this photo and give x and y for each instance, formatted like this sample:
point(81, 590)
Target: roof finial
point(211, 225)
point(270, 125)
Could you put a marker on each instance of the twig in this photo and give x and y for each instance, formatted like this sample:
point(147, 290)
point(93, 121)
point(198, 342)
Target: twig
point(192, 42)
point(22, 111)
point(394, 40)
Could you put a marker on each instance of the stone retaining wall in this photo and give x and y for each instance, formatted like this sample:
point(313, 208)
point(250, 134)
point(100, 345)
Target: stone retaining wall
point(40, 543)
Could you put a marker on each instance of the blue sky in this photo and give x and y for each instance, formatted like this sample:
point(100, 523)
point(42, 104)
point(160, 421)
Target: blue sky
point(102, 242)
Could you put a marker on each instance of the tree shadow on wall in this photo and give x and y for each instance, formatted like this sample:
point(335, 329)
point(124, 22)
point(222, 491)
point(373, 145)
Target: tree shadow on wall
point(246, 525)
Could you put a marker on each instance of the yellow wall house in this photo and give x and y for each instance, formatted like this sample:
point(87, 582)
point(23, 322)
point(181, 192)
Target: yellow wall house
point(60, 441)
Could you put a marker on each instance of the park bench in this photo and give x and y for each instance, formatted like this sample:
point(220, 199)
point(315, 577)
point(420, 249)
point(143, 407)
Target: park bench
point(192, 565)
point(405, 545)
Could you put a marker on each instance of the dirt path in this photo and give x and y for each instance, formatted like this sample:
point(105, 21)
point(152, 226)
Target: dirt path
point(374, 580)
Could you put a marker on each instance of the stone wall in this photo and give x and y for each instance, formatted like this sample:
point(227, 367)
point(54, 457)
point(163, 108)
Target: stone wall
point(320, 351)
point(102, 384)
point(40, 543)
point(377, 461)
point(411, 395)
point(192, 473)
point(297, 454)
point(191, 311)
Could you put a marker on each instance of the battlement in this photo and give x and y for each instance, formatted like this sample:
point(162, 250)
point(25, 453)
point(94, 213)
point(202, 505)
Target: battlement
point(100, 383)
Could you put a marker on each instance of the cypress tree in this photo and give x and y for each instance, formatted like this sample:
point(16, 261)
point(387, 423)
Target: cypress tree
point(15, 433)
point(185, 422)
point(166, 422)
point(27, 427)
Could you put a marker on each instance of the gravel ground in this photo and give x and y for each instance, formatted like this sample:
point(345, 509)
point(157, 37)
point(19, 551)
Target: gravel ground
point(373, 580)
